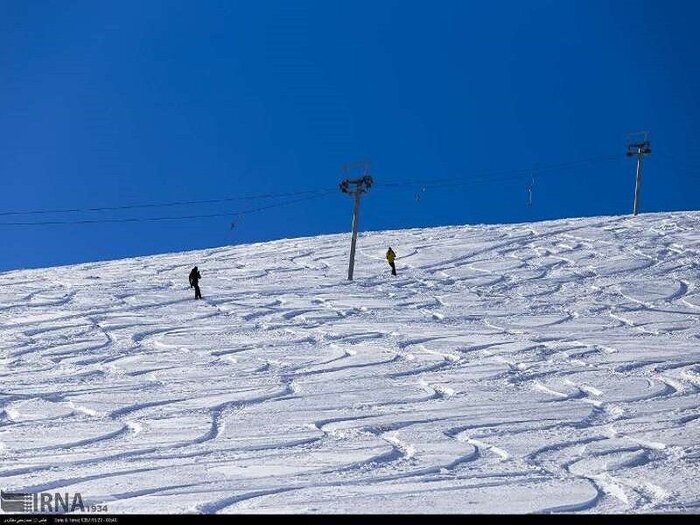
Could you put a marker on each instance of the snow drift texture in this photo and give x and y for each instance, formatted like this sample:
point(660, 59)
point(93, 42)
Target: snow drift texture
point(524, 368)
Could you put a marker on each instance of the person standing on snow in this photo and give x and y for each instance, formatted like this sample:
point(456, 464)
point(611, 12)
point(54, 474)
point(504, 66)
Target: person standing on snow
point(390, 256)
point(195, 276)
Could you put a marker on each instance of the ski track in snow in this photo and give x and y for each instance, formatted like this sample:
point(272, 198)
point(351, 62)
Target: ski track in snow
point(532, 368)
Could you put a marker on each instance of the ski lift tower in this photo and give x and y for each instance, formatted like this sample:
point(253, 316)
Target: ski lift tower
point(355, 188)
point(639, 149)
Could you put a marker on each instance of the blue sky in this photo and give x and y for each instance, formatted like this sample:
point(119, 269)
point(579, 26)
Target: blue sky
point(109, 104)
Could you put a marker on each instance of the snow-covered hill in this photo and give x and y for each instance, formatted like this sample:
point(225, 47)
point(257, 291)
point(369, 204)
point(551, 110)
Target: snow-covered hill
point(523, 368)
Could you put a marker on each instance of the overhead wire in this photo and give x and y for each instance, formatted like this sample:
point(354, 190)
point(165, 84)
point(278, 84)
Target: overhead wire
point(673, 163)
point(165, 218)
point(162, 204)
point(515, 174)
point(485, 177)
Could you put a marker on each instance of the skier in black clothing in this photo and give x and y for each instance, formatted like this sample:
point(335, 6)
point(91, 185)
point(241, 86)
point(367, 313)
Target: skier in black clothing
point(195, 276)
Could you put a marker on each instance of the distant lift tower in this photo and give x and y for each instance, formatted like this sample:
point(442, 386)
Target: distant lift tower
point(356, 187)
point(639, 150)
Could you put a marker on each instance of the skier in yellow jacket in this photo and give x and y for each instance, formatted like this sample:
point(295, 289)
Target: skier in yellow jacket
point(390, 256)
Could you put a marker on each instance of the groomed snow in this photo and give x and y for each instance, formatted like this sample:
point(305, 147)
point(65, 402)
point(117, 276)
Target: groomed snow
point(542, 367)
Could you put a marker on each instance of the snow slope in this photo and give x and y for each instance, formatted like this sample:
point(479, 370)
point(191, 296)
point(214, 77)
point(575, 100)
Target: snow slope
point(541, 367)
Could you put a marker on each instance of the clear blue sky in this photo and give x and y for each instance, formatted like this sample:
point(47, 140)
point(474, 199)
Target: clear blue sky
point(129, 102)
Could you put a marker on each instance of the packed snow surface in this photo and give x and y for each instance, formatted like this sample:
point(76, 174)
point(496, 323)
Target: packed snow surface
point(542, 367)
